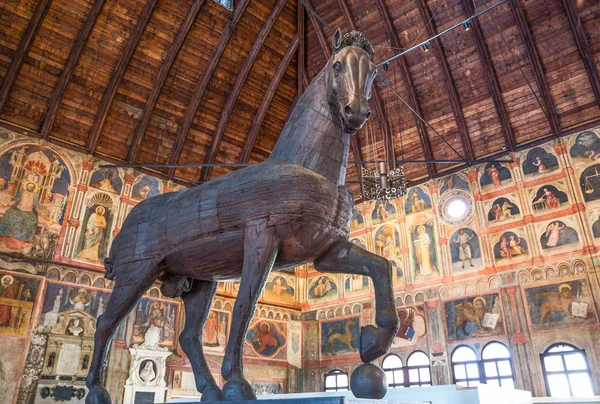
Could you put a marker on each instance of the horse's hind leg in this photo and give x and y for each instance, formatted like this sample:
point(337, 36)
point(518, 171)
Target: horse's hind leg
point(346, 257)
point(260, 251)
point(197, 306)
point(132, 280)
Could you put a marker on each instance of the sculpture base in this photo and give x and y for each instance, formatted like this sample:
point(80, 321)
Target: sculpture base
point(310, 400)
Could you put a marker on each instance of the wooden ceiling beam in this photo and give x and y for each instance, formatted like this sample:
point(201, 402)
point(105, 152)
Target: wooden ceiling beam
point(583, 47)
point(22, 50)
point(67, 73)
point(490, 76)
point(451, 90)
point(384, 123)
point(119, 72)
point(301, 54)
point(159, 82)
point(394, 39)
point(236, 89)
point(327, 51)
point(536, 66)
point(267, 98)
point(202, 85)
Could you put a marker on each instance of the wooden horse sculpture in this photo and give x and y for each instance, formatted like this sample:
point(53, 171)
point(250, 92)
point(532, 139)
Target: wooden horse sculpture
point(289, 210)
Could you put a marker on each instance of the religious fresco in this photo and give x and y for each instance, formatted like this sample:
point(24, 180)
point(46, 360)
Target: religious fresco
point(465, 251)
point(280, 289)
point(355, 285)
point(322, 288)
point(11, 365)
point(503, 209)
point(155, 316)
point(412, 327)
point(453, 181)
point(510, 246)
point(589, 181)
point(494, 175)
point(145, 187)
point(397, 273)
point(549, 197)
point(561, 305)
point(594, 218)
point(216, 329)
point(106, 179)
point(266, 338)
point(539, 161)
point(340, 337)
point(474, 317)
point(357, 222)
point(383, 212)
point(557, 234)
point(586, 147)
point(417, 201)
point(387, 241)
point(34, 190)
point(17, 298)
point(96, 222)
point(424, 253)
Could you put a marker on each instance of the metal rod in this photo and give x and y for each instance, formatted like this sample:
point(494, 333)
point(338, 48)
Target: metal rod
point(441, 33)
point(313, 12)
point(472, 162)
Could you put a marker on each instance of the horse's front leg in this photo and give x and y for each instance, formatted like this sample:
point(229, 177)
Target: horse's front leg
point(260, 251)
point(346, 257)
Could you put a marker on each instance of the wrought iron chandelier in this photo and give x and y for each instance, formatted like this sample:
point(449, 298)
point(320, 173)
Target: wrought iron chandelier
point(383, 184)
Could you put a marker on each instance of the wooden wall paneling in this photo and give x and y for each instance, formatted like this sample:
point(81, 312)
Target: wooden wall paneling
point(161, 77)
point(237, 88)
point(490, 75)
point(119, 72)
point(24, 45)
point(536, 66)
point(67, 73)
point(200, 89)
point(405, 74)
point(267, 98)
point(451, 89)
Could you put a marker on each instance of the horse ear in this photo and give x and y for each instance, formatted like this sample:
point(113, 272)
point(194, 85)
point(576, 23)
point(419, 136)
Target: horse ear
point(336, 42)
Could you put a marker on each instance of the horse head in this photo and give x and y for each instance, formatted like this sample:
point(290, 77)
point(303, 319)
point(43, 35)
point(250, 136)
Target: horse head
point(349, 77)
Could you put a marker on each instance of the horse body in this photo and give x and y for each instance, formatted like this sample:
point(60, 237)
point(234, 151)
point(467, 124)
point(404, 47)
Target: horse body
point(291, 209)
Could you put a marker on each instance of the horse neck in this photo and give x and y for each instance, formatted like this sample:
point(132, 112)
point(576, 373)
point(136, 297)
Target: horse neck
point(310, 137)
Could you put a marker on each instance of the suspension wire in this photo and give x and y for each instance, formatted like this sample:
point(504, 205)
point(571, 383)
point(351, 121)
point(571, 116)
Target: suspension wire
point(384, 81)
point(317, 15)
point(428, 22)
point(360, 13)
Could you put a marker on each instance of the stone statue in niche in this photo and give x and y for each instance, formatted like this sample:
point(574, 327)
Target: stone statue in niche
point(147, 372)
point(216, 231)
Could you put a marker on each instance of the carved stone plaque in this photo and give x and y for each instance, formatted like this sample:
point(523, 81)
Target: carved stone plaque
point(144, 397)
point(68, 359)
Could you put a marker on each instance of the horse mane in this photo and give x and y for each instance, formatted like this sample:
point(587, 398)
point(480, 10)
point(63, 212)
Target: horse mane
point(355, 38)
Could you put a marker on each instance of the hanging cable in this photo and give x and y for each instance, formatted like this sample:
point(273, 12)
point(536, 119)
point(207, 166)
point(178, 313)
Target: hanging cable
point(428, 22)
point(317, 15)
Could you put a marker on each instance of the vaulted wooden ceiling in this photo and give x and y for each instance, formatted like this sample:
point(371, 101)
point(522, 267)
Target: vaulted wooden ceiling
point(189, 81)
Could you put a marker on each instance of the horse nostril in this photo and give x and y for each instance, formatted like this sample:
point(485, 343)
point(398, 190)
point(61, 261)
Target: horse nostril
point(368, 114)
point(348, 110)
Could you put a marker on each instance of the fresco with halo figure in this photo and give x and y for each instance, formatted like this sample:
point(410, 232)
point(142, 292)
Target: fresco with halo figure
point(357, 222)
point(216, 329)
point(424, 252)
point(339, 337)
point(34, 190)
point(417, 201)
point(503, 209)
point(383, 212)
point(412, 326)
point(145, 188)
point(98, 214)
point(558, 234)
point(561, 305)
point(548, 197)
point(474, 317)
point(17, 299)
point(387, 241)
point(155, 314)
point(494, 176)
point(322, 289)
point(280, 289)
point(267, 338)
point(539, 161)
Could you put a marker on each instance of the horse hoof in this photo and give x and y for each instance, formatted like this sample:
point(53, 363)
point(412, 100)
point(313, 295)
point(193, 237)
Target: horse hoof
point(374, 342)
point(238, 390)
point(97, 395)
point(211, 394)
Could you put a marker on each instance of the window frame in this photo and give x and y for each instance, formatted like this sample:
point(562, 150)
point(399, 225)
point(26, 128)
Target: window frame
point(406, 382)
point(565, 372)
point(464, 364)
point(335, 373)
point(402, 368)
point(495, 361)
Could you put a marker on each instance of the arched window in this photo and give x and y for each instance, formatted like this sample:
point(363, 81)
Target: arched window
point(465, 366)
point(566, 371)
point(497, 367)
point(336, 380)
point(419, 372)
point(392, 365)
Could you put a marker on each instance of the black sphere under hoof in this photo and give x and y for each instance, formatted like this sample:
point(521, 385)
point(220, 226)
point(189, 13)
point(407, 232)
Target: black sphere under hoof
point(211, 394)
point(368, 381)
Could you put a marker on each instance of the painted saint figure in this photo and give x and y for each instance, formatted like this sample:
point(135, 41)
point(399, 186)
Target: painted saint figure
point(418, 204)
point(422, 249)
point(494, 176)
point(279, 288)
point(211, 329)
point(94, 235)
point(553, 233)
point(9, 292)
point(464, 248)
point(19, 223)
point(81, 300)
